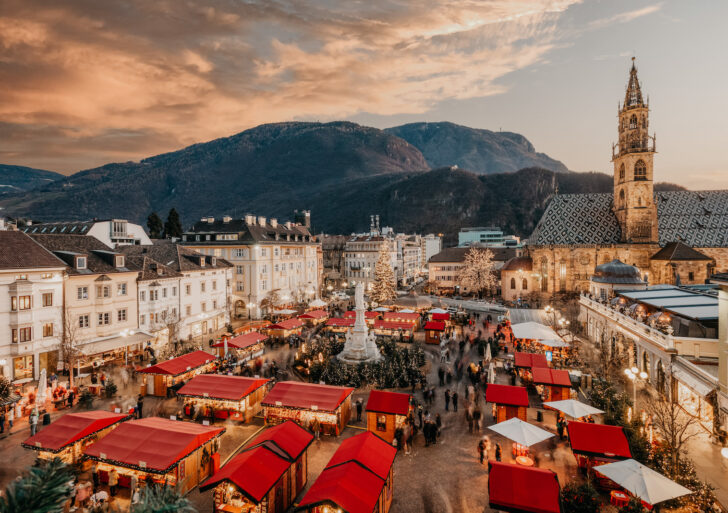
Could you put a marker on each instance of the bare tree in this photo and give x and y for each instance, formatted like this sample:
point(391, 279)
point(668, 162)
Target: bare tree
point(431, 286)
point(270, 300)
point(477, 274)
point(68, 348)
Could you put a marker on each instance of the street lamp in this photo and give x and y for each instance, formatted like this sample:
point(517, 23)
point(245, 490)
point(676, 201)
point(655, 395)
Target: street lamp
point(632, 374)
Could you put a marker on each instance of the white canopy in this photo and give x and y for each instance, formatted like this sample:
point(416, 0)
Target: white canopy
point(521, 432)
point(407, 310)
point(285, 311)
point(643, 482)
point(381, 309)
point(573, 408)
point(437, 311)
point(534, 331)
point(317, 303)
point(554, 343)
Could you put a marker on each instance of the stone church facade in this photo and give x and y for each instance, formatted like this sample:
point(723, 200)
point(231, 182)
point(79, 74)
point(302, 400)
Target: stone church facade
point(671, 236)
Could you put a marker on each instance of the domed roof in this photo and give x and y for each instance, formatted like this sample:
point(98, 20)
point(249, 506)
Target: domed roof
point(412, 300)
point(617, 272)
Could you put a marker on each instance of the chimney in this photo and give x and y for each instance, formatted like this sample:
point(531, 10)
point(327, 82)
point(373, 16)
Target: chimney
point(261, 220)
point(288, 225)
point(226, 219)
point(210, 220)
point(274, 222)
point(249, 219)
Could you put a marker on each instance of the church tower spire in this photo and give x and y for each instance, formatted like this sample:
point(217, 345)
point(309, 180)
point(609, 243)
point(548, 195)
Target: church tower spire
point(634, 203)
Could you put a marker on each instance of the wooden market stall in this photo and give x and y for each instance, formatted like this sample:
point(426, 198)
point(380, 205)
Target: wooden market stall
point(519, 489)
point(442, 317)
point(434, 330)
point(246, 346)
point(177, 453)
point(409, 317)
point(358, 478)
point(285, 328)
point(555, 384)
point(217, 396)
point(249, 326)
point(302, 402)
point(314, 317)
point(508, 401)
point(339, 325)
point(525, 362)
point(369, 316)
point(405, 330)
point(173, 373)
point(598, 444)
point(386, 411)
point(67, 437)
point(267, 475)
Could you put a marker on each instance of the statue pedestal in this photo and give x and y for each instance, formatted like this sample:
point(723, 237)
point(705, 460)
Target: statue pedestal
point(360, 345)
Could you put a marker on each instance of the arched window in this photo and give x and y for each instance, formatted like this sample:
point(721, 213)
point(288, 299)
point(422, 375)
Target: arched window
point(621, 173)
point(633, 122)
point(525, 284)
point(544, 275)
point(640, 170)
point(513, 283)
point(621, 198)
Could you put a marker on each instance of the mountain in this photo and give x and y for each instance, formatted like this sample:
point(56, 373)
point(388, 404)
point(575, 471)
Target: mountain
point(480, 151)
point(19, 178)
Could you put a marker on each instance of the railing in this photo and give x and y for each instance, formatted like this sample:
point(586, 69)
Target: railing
point(650, 146)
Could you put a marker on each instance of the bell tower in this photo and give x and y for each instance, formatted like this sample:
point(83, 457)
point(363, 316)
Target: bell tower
point(634, 203)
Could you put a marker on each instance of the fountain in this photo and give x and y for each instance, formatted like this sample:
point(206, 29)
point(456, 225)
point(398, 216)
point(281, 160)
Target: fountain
point(360, 345)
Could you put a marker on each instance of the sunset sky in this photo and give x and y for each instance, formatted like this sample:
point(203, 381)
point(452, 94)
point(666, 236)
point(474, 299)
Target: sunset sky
point(87, 82)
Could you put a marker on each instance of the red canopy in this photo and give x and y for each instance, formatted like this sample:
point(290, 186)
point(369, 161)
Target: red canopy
point(73, 427)
point(598, 439)
point(380, 324)
point(295, 394)
point(522, 489)
point(530, 360)
point(368, 314)
point(435, 325)
point(367, 449)
point(218, 386)
point(340, 322)
point(288, 324)
point(546, 376)
point(152, 444)
point(441, 317)
point(314, 314)
point(348, 486)
point(181, 364)
point(388, 402)
point(291, 438)
point(401, 316)
point(243, 341)
point(506, 394)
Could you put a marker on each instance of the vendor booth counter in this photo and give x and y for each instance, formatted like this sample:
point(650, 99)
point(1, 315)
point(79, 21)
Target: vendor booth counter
point(314, 317)
point(386, 411)
point(285, 328)
point(554, 384)
point(158, 378)
point(434, 331)
point(217, 396)
point(508, 402)
point(246, 346)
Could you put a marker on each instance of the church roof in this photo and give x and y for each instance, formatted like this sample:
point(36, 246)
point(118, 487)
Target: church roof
point(696, 218)
point(679, 251)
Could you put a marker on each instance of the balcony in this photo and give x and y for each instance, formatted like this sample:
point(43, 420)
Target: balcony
point(649, 146)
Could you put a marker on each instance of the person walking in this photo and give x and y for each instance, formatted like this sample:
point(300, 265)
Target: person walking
point(95, 475)
point(2, 421)
point(441, 375)
point(481, 450)
point(11, 418)
point(71, 398)
point(33, 422)
point(498, 452)
point(358, 409)
point(447, 399)
point(477, 419)
point(140, 406)
point(316, 427)
point(455, 401)
point(560, 428)
point(113, 481)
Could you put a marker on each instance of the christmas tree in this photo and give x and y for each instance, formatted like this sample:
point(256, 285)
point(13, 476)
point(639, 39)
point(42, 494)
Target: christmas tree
point(477, 274)
point(385, 285)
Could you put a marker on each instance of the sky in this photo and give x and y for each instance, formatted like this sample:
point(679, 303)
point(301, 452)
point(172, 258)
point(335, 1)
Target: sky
point(86, 83)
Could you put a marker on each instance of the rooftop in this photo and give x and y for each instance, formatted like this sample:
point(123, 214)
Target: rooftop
point(22, 252)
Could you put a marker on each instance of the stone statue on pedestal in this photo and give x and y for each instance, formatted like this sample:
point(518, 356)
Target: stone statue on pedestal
point(360, 345)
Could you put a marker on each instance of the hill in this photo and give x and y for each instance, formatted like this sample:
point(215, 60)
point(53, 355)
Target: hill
point(19, 178)
point(480, 151)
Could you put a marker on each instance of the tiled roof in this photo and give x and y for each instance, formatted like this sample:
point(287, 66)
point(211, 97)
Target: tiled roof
point(518, 264)
point(99, 256)
point(61, 228)
point(250, 233)
point(150, 269)
point(174, 256)
point(679, 251)
point(577, 219)
point(697, 218)
point(19, 251)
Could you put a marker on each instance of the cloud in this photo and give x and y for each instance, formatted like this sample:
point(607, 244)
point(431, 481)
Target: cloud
point(625, 17)
point(86, 82)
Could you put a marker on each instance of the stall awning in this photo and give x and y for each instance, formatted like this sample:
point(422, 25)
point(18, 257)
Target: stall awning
point(350, 487)
point(699, 387)
point(598, 439)
point(533, 331)
point(388, 402)
point(288, 324)
point(288, 436)
point(71, 428)
point(506, 394)
point(339, 322)
point(181, 364)
point(368, 450)
point(217, 386)
point(243, 341)
point(153, 444)
point(401, 316)
point(368, 314)
point(526, 489)
point(441, 317)
point(314, 314)
point(111, 344)
point(546, 376)
point(379, 324)
point(296, 394)
point(435, 326)
point(530, 360)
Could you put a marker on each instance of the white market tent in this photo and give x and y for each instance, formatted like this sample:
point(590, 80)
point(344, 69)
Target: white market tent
point(381, 309)
point(573, 408)
point(521, 432)
point(317, 303)
point(407, 310)
point(643, 482)
point(554, 343)
point(534, 331)
point(437, 311)
point(285, 311)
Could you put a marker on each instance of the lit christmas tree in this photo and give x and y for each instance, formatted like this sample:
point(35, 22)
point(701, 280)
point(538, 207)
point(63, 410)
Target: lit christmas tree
point(477, 274)
point(385, 286)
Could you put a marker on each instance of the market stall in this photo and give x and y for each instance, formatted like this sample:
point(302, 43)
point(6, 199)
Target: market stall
point(552, 384)
point(304, 402)
point(314, 317)
point(369, 316)
point(267, 475)
point(525, 362)
point(434, 331)
point(285, 328)
point(172, 373)
point(396, 329)
point(443, 317)
point(246, 346)
point(339, 325)
point(508, 401)
point(597, 444)
point(386, 411)
point(358, 478)
point(520, 489)
point(180, 454)
point(217, 396)
point(67, 437)
point(402, 316)
point(250, 326)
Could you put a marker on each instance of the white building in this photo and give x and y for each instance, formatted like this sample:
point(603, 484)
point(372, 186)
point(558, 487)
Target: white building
point(31, 307)
point(431, 246)
point(487, 236)
point(361, 254)
point(112, 232)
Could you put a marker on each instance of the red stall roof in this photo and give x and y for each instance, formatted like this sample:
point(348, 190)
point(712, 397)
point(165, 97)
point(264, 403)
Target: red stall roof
point(506, 394)
point(181, 364)
point(348, 486)
point(295, 394)
point(288, 436)
point(314, 314)
point(340, 322)
point(71, 428)
point(546, 376)
point(288, 324)
point(368, 314)
point(598, 439)
point(152, 444)
point(526, 489)
point(530, 360)
point(441, 317)
point(401, 316)
point(388, 402)
point(379, 324)
point(435, 325)
point(367, 449)
point(218, 386)
point(243, 341)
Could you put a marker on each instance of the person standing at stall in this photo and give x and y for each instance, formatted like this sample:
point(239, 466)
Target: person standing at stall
point(498, 452)
point(358, 409)
point(481, 450)
point(140, 406)
point(113, 481)
point(316, 427)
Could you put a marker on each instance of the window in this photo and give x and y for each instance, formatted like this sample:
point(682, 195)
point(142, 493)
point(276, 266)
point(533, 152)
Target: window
point(48, 299)
point(164, 293)
point(118, 261)
point(121, 289)
point(121, 315)
point(621, 173)
point(214, 285)
point(22, 335)
point(188, 289)
point(142, 295)
point(640, 170)
point(275, 251)
point(513, 283)
point(80, 262)
point(142, 319)
point(20, 303)
point(48, 329)
point(633, 122)
point(202, 286)
point(238, 253)
point(174, 314)
point(263, 269)
point(214, 304)
point(104, 319)
point(174, 291)
point(264, 252)
point(188, 310)
point(524, 285)
point(203, 306)
point(562, 277)
point(238, 269)
point(46, 276)
point(275, 268)
point(83, 321)
point(153, 295)
point(621, 198)
point(544, 275)
point(381, 422)
point(239, 286)
point(103, 291)
point(264, 285)
point(691, 276)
